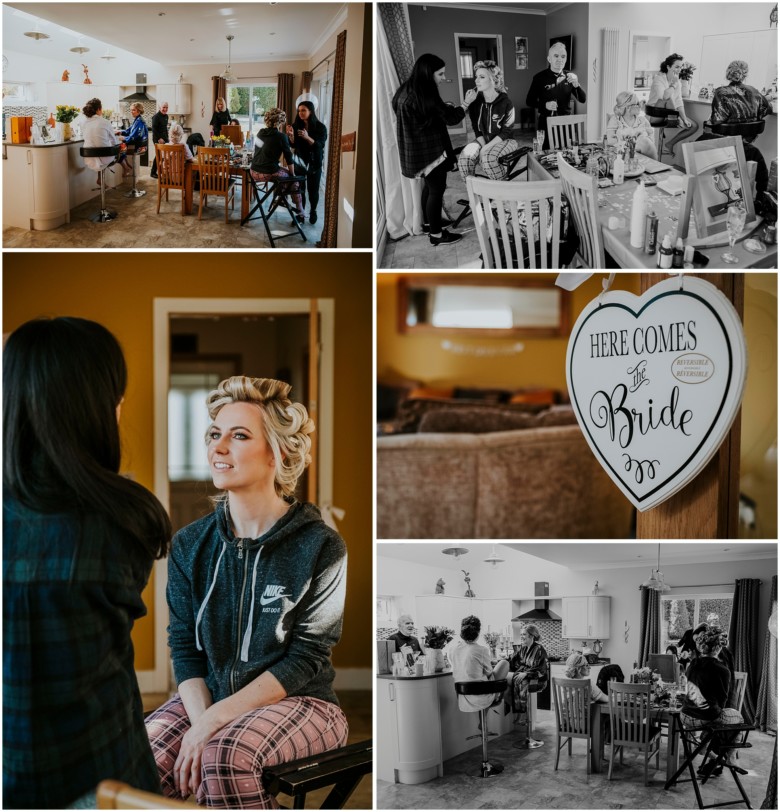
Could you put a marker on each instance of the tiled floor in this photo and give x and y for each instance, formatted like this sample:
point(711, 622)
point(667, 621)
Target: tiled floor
point(530, 782)
point(139, 226)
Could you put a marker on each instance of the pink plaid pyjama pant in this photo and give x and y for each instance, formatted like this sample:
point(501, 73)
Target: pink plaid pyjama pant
point(233, 761)
point(473, 155)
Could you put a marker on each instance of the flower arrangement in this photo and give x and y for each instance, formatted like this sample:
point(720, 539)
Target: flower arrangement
point(66, 113)
point(437, 637)
point(491, 638)
point(108, 114)
point(643, 674)
point(220, 141)
point(686, 71)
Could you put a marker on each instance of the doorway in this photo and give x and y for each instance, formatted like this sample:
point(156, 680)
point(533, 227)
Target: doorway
point(473, 48)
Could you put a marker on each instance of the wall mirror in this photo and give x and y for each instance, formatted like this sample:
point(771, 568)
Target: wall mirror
point(474, 305)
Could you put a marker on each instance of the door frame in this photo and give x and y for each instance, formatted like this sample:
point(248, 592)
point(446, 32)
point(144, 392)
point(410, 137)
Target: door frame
point(158, 680)
point(461, 128)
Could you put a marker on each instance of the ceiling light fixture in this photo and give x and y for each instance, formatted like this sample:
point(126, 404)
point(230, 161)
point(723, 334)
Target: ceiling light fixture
point(36, 35)
point(79, 49)
point(107, 55)
point(228, 74)
point(656, 580)
point(493, 558)
point(455, 551)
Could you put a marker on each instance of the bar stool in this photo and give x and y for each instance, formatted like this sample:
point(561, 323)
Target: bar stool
point(670, 117)
point(481, 688)
point(745, 129)
point(104, 215)
point(528, 742)
point(132, 153)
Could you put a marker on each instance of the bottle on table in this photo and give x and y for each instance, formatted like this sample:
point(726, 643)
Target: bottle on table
point(618, 170)
point(678, 254)
point(651, 232)
point(638, 209)
point(665, 253)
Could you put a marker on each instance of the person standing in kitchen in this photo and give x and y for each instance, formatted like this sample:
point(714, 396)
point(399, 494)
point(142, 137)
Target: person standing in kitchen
point(221, 116)
point(552, 90)
point(159, 131)
point(404, 640)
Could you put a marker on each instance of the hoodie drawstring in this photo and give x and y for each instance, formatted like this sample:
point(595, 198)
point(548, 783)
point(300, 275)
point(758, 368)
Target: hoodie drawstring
point(208, 595)
point(248, 632)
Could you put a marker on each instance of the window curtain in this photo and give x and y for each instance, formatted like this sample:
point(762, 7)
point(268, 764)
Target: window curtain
point(284, 93)
point(743, 638)
point(394, 59)
point(766, 712)
point(218, 91)
point(649, 624)
point(306, 78)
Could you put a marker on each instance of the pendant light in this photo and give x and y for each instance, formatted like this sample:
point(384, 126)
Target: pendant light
point(656, 580)
point(36, 35)
point(455, 551)
point(493, 558)
point(228, 74)
point(79, 49)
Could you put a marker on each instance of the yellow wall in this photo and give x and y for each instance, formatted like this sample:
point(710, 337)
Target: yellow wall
point(118, 290)
point(421, 357)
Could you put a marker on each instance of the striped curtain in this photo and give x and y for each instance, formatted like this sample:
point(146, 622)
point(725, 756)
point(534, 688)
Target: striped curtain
point(395, 22)
point(218, 91)
point(306, 78)
point(649, 624)
point(743, 638)
point(766, 712)
point(284, 93)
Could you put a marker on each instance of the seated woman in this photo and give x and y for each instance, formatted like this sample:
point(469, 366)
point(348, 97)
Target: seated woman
point(529, 671)
point(629, 121)
point(176, 136)
point(665, 91)
point(97, 132)
point(578, 667)
point(492, 116)
point(256, 596)
point(709, 680)
point(270, 143)
point(136, 136)
point(471, 663)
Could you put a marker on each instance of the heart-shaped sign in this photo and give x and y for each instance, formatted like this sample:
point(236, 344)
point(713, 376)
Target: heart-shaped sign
point(656, 382)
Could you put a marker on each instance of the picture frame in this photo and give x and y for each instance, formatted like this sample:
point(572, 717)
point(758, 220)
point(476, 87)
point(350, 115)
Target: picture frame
point(521, 53)
point(568, 41)
point(721, 177)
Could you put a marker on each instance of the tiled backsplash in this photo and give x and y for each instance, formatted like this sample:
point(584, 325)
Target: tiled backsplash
point(39, 114)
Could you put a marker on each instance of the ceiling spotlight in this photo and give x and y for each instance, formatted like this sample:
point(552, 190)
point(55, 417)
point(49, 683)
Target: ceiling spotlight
point(456, 551)
point(160, 13)
point(493, 558)
point(36, 35)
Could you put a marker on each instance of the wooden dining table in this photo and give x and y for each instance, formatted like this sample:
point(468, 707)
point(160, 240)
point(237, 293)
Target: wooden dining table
point(615, 201)
point(236, 170)
point(660, 715)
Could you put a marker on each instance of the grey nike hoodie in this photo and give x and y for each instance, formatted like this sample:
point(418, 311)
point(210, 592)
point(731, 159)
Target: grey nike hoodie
point(240, 607)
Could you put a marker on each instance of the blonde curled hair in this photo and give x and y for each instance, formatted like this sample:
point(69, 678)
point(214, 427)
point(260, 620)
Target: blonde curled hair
point(286, 424)
point(496, 74)
point(274, 117)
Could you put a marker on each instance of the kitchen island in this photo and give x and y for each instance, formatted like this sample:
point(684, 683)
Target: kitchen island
point(420, 726)
point(43, 182)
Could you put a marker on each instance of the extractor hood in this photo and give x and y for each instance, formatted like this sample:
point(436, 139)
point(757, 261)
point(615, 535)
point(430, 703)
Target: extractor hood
point(541, 610)
point(140, 90)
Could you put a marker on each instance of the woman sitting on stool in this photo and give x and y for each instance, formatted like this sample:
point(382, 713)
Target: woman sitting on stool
point(471, 663)
point(97, 132)
point(665, 91)
point(529, 665)
point(492, 116)
point(136, 136)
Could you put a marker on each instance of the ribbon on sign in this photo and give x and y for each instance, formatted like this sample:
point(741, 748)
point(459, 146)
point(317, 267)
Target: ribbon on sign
point(330, 514)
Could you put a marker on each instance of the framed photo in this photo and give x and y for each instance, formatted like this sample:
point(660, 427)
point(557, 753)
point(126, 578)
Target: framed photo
point(521, 53)
point(568, 41)
point(721, 180)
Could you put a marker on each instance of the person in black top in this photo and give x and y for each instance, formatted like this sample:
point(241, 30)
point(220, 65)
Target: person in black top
point(404, 641)
point(159, 131)
point(270, 143)
point(552, 89)
point(221, 116)
point(308, 136)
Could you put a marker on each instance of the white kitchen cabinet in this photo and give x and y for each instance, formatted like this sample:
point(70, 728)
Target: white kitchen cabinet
point(178, 96)
point(586, 617)
point(444, 610)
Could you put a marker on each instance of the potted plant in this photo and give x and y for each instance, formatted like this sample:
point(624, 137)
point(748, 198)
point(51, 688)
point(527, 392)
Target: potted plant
point(65, 114)
point(491, 638)
point(436, 638)
point(686, 74)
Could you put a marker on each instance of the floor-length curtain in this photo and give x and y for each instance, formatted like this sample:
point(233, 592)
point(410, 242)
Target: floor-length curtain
point(306, 78)
point(284, 93)
point(743, 638)
point(649, 624)
point(394, 59)
point(218, 91)
point(766, 711)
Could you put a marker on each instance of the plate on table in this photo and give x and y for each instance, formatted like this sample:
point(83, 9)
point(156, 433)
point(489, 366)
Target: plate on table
point(754, 246)
point(635, 174)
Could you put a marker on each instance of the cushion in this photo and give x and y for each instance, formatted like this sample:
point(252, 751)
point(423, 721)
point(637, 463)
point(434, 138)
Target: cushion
point(556, 416)
point(474, 420)
point(410, 411)
point(548, 396)
point(432, 392)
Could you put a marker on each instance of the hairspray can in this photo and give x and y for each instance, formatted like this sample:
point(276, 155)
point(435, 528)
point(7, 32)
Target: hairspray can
point(651, 232)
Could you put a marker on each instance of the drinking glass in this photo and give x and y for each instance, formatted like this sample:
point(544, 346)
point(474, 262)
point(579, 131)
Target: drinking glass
point(537, 144)
point(540, 138)
point(735, 222)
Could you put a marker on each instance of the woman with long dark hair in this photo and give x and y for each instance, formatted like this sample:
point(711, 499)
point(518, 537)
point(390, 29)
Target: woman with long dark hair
point(666, 92)
point(424, 145)
point(308, 136)
point(79, 541)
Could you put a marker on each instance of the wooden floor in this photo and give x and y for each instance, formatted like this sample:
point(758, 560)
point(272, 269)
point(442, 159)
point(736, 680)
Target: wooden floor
point(357, 707)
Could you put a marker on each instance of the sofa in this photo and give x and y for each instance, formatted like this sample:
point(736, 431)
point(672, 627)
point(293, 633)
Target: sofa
point(541, 481)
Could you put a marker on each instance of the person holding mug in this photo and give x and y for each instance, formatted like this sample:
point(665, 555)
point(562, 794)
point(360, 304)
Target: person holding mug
point(552, 89)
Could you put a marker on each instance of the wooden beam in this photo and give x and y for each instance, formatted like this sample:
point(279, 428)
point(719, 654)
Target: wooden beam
point(708, 507)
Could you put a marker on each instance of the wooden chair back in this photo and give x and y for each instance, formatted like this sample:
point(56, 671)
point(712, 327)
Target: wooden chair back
point(214, 169)
point(629, 713)
point(170, 165)
point(572, 706)
point(116, 795)
point(564, 131)
point(234, 133)
point(581, 191)
point(664, 664)
point(500, 239)
point(737, 691)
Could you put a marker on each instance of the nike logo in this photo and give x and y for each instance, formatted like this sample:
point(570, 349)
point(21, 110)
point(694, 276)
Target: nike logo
point(272, 593)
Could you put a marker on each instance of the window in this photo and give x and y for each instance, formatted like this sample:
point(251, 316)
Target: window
point(682, 612)
point(187, 424)
point(15, 91)
point(385, 610)
point(250, 113)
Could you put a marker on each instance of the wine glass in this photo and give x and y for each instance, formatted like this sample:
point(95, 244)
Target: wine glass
point(735, 222)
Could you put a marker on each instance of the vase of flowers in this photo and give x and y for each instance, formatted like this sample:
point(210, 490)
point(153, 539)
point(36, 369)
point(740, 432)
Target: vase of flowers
point(65, 114)
point(436, 638)
point(686, 75)
point(220, 141)
point(491, 638)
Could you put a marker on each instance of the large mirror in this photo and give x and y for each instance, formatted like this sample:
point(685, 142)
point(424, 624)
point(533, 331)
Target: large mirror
point(479, 306)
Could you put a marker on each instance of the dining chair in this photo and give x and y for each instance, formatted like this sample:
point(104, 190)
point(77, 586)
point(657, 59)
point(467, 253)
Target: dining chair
point(572, 715)
point(664, 664)
point(565, 131)
point(513, 221)
point(581, 191)
point(214, 171)
point(737, 691)
point(118, 795)
point(170, 171)
point(234, 133)
point(631, 725)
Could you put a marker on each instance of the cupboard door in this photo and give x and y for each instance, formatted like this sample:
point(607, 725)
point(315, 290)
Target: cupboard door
point(575, 617)
point(598, 617)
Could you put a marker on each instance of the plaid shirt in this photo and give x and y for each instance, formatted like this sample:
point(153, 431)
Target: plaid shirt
point(72, 712)
point(418, 144)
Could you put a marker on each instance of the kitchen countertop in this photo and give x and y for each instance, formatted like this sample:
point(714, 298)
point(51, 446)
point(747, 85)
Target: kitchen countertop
point(425, 676)
point(52, 144)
